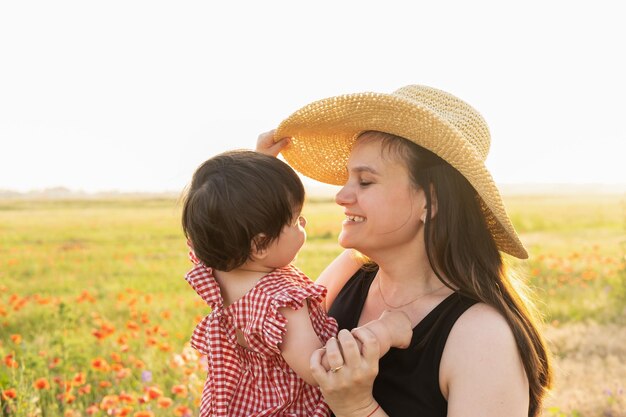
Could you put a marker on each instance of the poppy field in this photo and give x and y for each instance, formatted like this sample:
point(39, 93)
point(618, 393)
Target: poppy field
point(95, 316)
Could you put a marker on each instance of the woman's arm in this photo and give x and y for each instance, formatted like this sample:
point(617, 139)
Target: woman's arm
point(337, 273)
point(265, 144)
point(481, 372)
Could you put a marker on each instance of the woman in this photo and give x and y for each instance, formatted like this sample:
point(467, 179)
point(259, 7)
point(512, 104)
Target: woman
point(420, 204)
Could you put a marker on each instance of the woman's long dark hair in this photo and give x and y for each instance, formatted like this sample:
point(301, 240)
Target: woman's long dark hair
point(460, 247)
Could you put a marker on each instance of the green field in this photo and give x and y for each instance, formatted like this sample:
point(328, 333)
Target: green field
point(95, 315)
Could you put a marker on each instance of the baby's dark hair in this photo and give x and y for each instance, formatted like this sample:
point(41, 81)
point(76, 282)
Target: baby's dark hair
point(237, 197)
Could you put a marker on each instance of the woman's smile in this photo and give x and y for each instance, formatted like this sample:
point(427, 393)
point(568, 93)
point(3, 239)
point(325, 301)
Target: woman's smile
point(352, 219)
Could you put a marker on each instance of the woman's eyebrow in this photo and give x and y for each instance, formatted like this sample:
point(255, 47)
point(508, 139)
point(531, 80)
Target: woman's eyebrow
point(364, 168)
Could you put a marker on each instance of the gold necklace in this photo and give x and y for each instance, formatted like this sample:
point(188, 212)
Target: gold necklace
point(382, 297)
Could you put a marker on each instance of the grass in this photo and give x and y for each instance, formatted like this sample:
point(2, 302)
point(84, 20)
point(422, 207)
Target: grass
point(95, 316)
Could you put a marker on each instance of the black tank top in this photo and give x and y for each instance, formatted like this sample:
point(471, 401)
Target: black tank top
point(408, 379)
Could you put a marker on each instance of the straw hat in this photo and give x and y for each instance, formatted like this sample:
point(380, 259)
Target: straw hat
point(324, 132)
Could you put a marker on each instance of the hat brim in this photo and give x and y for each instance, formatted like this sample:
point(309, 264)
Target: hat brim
point(324, 132)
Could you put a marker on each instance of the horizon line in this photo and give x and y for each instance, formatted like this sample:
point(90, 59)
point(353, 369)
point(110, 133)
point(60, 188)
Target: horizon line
point(322, 190)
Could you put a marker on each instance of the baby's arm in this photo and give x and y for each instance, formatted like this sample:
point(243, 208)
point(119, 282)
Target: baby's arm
point(392, 329)
point(299, 342)
point(337, 273)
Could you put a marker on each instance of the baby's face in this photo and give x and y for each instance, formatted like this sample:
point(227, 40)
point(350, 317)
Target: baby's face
point(284, 249)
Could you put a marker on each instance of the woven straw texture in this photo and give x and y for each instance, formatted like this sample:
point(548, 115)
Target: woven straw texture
point(324, 132)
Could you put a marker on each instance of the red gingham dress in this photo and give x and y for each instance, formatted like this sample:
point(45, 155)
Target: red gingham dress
point(256, 381)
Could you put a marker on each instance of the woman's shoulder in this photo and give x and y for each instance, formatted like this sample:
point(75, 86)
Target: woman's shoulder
point(481, 349)
point(483, 328)
point(480, 318)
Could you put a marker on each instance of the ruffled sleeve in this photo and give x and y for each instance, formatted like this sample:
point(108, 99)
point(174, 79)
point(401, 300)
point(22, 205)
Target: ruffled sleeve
point(203, 282)
point(274, 325)
point(199, 339)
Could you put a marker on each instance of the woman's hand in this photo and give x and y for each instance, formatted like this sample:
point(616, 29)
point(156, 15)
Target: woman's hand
point(265, 144)
point(347, 386)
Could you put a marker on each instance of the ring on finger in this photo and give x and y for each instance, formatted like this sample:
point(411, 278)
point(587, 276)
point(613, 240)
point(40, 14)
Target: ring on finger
point(336, 369)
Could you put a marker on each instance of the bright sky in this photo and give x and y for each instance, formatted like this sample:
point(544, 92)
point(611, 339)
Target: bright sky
point(134, 95)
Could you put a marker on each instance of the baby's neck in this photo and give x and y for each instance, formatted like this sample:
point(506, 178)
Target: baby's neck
point(236, 283)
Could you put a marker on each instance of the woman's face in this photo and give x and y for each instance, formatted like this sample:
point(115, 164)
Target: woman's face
point(382, 206)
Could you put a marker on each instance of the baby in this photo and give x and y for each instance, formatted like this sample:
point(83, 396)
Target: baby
point(242, 218)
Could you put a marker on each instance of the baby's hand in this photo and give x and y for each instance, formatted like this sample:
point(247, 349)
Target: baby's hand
point(265, 144)
point(325, 362)
point(399, 328)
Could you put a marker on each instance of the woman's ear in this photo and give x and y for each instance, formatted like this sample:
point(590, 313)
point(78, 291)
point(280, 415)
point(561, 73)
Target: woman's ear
point(255, 252)
point(433, 205)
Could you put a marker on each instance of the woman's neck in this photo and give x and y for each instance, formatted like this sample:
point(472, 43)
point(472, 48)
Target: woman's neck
point(404, 268)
